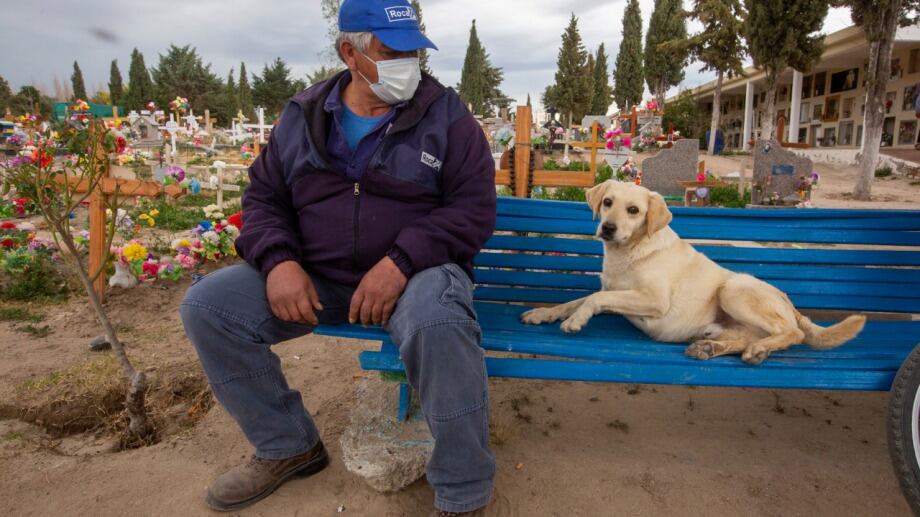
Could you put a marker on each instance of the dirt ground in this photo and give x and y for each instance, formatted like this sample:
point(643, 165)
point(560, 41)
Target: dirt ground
point(563, 448)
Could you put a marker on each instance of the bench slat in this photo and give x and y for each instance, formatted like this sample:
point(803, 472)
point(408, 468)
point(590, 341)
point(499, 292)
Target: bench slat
point(700, 374)
point(724, 232)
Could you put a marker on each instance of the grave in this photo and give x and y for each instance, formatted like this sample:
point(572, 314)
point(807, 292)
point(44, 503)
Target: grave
point(778, 175)
point(663, 172)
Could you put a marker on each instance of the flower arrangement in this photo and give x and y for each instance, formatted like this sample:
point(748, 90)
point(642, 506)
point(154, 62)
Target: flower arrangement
point(174, 175)
point(149, 217)
point(21, 249)
point(152, 107)
point(651, 105)
point(616, 140)
point(134, 258)
point(179, 104)
point(246, 152)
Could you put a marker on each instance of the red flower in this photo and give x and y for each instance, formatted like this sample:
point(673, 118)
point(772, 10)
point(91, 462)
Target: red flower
point(120, 144)
point(150, 268)
point(7, 225)
point(236, 219)
point(45, 157)
point(7, 243)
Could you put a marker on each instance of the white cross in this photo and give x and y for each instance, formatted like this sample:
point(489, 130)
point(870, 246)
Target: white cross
point(261, 126)
point(172, 128)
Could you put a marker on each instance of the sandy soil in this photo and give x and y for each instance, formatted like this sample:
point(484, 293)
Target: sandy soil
point(563, 448)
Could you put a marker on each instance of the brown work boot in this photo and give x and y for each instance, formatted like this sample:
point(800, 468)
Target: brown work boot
point(475, 513)
point(257, 479)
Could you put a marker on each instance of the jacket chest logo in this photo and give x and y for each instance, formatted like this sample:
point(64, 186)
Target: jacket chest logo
point(431, 161)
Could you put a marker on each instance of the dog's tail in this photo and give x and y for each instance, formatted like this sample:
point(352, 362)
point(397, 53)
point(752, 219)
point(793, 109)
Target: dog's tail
point(820, 337)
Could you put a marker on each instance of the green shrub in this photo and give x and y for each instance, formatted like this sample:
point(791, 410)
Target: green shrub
point(39, 280)
point(728, 197)
point(883, 172)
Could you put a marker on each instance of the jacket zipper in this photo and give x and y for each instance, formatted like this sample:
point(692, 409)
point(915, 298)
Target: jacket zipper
point(357, 212)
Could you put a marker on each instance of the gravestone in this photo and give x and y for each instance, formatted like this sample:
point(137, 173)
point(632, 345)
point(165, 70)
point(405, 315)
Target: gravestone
point(778, 174)
point(663, 172)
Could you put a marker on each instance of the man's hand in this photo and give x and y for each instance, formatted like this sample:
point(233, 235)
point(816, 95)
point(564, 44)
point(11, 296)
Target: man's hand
point(291, 294)
point(377, 294)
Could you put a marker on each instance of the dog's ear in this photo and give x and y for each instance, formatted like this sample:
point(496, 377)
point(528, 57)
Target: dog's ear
point(658, 215)
point(595, 196)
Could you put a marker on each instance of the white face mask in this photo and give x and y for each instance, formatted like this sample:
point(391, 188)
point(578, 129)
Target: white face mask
point(397, 79)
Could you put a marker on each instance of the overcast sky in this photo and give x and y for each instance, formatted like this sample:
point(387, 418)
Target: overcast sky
point(44, 37)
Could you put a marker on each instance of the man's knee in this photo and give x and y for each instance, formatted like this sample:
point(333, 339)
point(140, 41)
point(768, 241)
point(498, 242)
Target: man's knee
point(433, 297)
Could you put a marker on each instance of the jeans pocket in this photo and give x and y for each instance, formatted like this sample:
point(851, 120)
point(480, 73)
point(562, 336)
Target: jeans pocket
point(459, 290)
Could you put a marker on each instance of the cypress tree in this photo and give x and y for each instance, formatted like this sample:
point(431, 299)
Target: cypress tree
point(629, 74)
point(140, 87)
point(479, 80)
point(79, 88)
point(528, 99)
point(6, 96)
point(116, 88)
point(603, 93)
point(571, 94)
point(780, 34)
point(664, 65)
point(245, 102)
point(422, 52)
point(231, 101)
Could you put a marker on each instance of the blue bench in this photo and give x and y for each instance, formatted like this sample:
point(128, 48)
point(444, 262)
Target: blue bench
point(864, 261)
point(542, 252)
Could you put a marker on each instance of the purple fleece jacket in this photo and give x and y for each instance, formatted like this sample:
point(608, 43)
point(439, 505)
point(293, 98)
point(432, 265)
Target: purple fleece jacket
point(426, 198)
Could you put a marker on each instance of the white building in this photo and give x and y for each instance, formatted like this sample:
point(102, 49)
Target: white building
point(825, 108)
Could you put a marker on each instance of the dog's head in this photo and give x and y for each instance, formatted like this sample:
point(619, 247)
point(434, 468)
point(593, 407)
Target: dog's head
point(627, 212)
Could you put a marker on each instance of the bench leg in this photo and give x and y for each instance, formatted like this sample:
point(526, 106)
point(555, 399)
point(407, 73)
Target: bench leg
point(405, 400)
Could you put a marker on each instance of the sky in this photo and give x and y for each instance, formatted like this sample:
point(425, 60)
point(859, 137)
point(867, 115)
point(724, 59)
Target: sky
point(44, 37)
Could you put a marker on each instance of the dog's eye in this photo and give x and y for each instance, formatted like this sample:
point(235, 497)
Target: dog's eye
point(608, 202)
point(633, 210)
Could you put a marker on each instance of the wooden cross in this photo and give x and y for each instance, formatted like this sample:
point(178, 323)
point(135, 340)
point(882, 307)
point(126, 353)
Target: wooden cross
point(544, 178)
point(109, 186)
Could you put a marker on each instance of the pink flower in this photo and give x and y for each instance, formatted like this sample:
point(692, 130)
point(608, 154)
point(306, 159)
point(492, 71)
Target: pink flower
point(610, 145)
point(617, 132)
point(627, 142)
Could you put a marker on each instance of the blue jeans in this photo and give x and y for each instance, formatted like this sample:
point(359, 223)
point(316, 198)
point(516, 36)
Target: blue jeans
point(229, 321)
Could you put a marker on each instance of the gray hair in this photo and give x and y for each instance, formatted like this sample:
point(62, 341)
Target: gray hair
point(360, 40)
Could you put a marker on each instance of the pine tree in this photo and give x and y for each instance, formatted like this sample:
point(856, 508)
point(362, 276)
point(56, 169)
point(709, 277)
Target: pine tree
point(274, 87)
point(181, 73)
point(879, 19)
point(480, 81)
point(140, 87)
point(245, 102)
point(664, 66)
point(79, 88)
point(116, 88)
point(629, 75)
point(603, 93)
point(572, 92)
point(528, 99)
point(774, 50)
point(422, 52)
point(719, 46)
point(330, 10)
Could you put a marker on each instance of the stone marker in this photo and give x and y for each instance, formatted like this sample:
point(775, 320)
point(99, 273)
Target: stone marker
point(777, 173)
point(389, 455)
point(663, 172)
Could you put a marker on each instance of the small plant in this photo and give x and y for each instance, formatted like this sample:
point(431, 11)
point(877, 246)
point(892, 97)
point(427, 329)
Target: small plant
point(883, 172)
point(35, 331)
point(19, 314)
point(728, 197)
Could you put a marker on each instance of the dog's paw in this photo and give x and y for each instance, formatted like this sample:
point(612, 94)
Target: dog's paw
point(702, 350)
point(539, 316)
point(573, 324)
point(755, 355)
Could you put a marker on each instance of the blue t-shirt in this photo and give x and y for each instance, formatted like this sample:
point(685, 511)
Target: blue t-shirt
point(357, 127)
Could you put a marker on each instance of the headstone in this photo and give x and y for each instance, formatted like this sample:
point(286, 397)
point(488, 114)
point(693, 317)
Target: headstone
point(777, 174)
point(663, 172)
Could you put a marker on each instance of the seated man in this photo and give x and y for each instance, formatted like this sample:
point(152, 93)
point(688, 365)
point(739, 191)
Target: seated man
point(367, 205)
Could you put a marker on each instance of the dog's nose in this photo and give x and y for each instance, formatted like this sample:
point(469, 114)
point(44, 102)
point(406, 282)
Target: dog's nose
point(607, 229)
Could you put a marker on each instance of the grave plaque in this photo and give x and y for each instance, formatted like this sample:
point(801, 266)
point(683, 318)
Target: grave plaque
point(777, 173)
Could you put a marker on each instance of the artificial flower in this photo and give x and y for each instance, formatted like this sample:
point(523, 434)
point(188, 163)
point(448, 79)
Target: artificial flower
point(134, 251)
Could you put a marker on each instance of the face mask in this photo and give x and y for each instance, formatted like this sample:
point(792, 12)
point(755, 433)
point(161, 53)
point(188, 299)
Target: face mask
point(397, 79)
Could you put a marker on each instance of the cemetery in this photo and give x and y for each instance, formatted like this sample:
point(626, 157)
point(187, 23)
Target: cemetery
point(117, 199)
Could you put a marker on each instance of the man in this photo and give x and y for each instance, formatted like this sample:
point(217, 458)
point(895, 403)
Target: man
point(367, 205)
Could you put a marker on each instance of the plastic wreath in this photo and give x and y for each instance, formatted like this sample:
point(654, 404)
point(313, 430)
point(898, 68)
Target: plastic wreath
point(179, 104)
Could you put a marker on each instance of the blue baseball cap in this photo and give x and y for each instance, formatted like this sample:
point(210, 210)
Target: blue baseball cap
point(394, 22)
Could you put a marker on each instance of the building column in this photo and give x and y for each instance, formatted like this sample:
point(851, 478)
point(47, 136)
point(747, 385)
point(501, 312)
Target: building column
point(796, 106)
point(748, 116)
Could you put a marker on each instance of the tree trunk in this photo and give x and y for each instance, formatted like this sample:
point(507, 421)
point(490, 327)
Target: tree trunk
point(716, 114)
point(874, 118)
point(138, 424)
point(768, 108)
